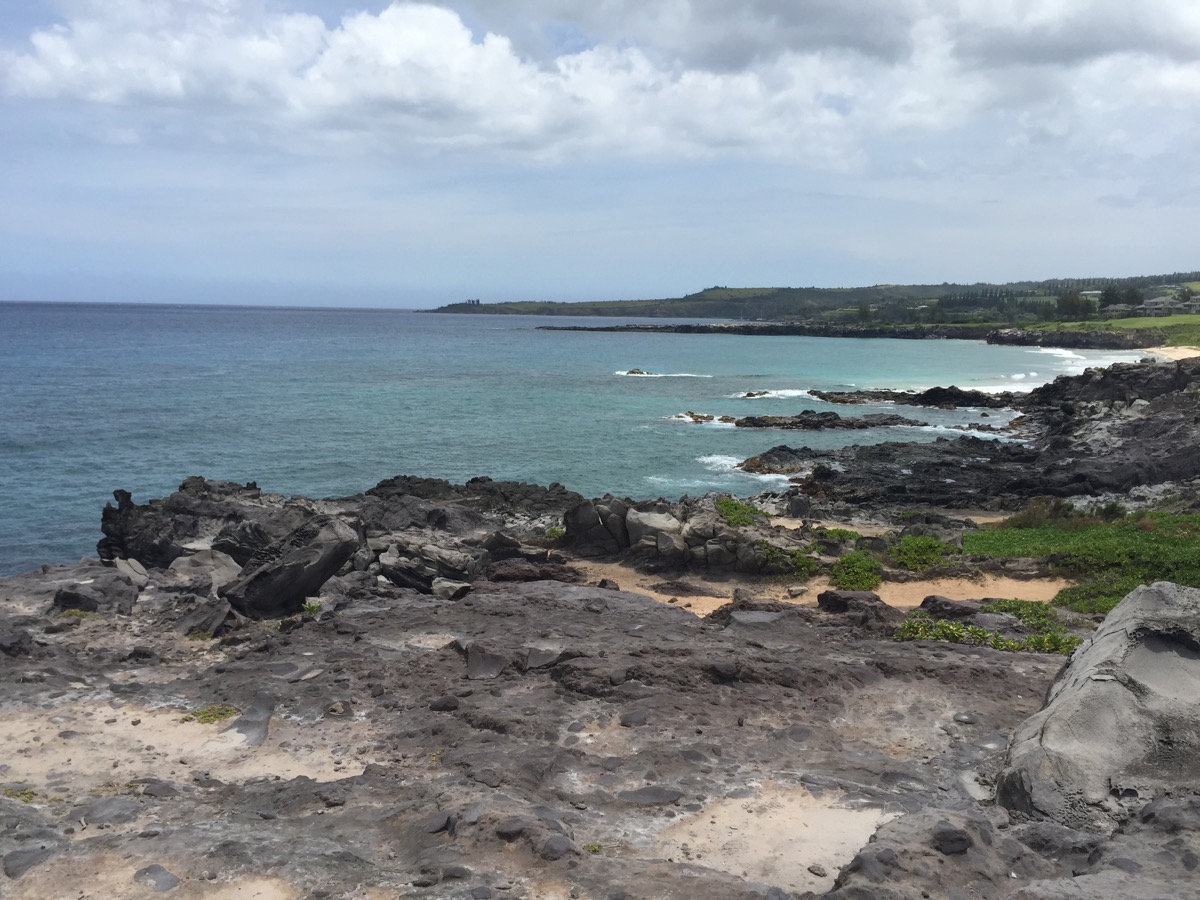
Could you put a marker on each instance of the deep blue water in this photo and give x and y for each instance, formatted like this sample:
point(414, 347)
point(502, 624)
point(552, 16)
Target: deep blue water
point(329, 402)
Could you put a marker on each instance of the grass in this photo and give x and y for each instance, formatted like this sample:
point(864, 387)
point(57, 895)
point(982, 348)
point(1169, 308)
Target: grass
point(1178, 331)
point(1109, 558)
point(735, 513)
point(75, 614)
point(856, 572)
point(311, 608)
point(24, 795)
point(593, 847)
point(207, 715)
point(918, 552)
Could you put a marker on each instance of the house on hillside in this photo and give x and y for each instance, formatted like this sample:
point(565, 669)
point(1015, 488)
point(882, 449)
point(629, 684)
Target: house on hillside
point(1160, 306)
point(1119, 311)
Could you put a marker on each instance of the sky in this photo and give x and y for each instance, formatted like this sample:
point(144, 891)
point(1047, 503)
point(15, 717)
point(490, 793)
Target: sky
point(365, 153)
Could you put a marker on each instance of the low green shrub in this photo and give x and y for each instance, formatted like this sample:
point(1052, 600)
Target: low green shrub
point(918, 552)
point(919, 626)
point(838, 534)
point(856, 572)
point(735, 513)
point(778, 561)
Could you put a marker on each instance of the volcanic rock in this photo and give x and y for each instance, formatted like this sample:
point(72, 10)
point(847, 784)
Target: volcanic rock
point(277, 580)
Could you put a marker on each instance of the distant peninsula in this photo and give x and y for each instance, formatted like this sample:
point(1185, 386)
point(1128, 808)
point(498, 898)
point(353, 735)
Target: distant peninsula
point(1108, 313)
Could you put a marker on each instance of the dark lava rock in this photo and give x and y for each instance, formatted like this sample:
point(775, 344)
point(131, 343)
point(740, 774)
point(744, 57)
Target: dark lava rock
point(944, 608)
point(18, 862)
point(811, 420)
point(14, 641)
point(483, 663)
point(111, 811)
point(110, 593)
point(949, 839)
point(276, 580)
point(556, 847)
point(157, 878)
point(445, 703)
point(654, 795)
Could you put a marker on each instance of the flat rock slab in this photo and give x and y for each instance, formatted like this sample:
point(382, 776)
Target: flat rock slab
point(654, 795)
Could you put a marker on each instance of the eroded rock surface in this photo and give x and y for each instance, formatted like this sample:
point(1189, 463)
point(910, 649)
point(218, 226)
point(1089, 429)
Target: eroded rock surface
point(1121, 725)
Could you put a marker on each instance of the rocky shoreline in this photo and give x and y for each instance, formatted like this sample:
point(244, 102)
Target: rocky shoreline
point(424, 691)
point(1131, 339)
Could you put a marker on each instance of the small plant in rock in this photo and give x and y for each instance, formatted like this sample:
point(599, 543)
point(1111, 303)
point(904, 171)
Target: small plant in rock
point(207, 715)
point(856, 572)
point(75, 614)
point(918, 552)
point(311, 608)
point(24, 795)
point(199, 635)
point(593, 847)
point(735, 513)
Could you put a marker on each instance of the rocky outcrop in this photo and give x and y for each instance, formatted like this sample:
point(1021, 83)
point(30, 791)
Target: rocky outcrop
point(1120, 725)
point(810, 420)
point(939, 397)
point(276, 581)
point(1105, 432)
point(1097, 339)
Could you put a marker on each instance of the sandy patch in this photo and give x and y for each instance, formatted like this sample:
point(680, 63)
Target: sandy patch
point(774, 837)
point(105, 876)
point(910, 594)
point(1175, 352)
point(94, 748)
point(716, 592)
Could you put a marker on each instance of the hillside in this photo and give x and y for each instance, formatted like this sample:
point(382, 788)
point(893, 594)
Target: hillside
point(1009, 303)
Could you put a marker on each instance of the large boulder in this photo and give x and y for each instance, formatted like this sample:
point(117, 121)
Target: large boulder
point(1121, 724)
point(642, 524)
point(276, 581)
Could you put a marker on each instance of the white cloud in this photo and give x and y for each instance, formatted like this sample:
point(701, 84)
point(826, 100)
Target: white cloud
point(807, 81)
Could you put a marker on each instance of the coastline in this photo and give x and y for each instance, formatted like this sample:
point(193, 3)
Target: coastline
point(1175, 353)
point(431, 687)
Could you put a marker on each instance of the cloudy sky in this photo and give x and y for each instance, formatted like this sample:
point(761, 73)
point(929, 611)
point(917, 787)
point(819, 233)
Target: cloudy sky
point(404, 154)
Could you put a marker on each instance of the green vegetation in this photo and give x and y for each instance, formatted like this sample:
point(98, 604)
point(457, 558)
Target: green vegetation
point(837, 534)
point(919, 626)
point(1110, 558)
point(1012, 303)
point(199, 635)
point(311, 608)
point(593, 847)
point(735, 513)
point(856, 572)
point(75, 614)
point(25, 795)
point(549, 537)
point(918, 552)
point(207, 715)
point(796, 563)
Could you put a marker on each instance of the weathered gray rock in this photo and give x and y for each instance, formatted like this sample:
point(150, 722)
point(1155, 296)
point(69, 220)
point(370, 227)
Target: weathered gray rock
point(276, 581)
point(109, 592)
point(218, 566)
point(1120, 725)
point(643, 524)
point(445, 589)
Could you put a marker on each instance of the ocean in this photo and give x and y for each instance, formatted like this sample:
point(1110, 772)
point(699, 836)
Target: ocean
point(328, 402)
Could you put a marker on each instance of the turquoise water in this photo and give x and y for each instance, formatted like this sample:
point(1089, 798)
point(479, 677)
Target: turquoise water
point(329, 402)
